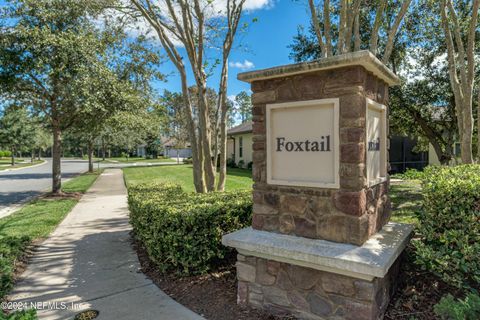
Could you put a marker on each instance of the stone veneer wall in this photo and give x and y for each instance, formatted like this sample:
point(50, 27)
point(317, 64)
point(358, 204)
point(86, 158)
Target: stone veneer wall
point(350, 214)
point(285, 289)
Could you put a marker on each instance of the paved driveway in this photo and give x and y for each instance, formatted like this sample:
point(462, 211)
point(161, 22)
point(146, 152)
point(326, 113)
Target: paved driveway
point(19, 185)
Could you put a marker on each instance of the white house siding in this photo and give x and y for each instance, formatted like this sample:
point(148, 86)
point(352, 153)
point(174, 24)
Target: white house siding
point(230, 146)
point(247, 148)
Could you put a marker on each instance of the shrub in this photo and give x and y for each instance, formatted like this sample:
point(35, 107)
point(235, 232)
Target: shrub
point(451, 309)
point(187, 161)
point(449, 224)
point(231, 163)
point(250, 165)
point(30, 314)
point(5, 154)
point(241, 164)
point(10, 249)
point(182, 231)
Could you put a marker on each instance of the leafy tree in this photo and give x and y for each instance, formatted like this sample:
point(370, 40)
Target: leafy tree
point(107, 90)
point(340, 26)
point(42, 141)
point(126, 130)
point(460, 26)
point(17, 129)
point(174, 124)
point(197, 25)
point(244, 106)
point(45, 50)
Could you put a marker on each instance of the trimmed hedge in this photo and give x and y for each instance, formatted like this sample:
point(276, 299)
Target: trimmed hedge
point(450, 309)
point(10, 249)
point(5, 154)
point(450, 224)
point(182, 231)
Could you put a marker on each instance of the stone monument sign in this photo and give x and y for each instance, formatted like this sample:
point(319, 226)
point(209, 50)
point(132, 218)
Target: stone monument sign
point(320, 245)
point(302, 143)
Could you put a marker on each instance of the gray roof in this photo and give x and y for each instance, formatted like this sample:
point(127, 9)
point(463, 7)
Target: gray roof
point(245, 127)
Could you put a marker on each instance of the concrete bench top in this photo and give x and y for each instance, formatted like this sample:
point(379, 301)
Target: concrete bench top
point(373, 259)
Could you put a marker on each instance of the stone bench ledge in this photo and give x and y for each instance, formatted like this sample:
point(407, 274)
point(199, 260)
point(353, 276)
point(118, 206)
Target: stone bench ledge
point(373, 259)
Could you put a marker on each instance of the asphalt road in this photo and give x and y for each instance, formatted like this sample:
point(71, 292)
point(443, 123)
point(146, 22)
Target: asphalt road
point(17, 186)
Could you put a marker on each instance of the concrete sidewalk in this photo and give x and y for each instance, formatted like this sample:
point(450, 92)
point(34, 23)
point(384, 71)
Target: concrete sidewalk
point(88, 263)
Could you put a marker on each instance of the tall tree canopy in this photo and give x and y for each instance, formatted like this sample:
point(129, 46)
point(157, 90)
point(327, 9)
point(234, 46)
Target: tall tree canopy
point(55, 58)
point(341, 26)
point(197, 25)
point(17, 129)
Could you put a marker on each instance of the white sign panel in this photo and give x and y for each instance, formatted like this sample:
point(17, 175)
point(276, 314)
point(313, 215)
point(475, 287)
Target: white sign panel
point(303, 143)
point(376, 143)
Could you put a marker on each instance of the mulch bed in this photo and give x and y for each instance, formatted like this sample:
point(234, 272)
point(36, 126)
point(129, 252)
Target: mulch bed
point(62, 195)
point(214, 295)
point(417, 292)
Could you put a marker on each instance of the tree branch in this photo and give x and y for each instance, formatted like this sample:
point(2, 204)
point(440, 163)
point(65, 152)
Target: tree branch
point(394, 29)
point(316, 27)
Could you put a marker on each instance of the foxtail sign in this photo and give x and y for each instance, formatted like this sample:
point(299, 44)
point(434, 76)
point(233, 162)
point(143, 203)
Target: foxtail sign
point(303, 143)
point(320, 145)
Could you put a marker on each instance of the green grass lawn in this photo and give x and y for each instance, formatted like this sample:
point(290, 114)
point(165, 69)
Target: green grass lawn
point(34, 221)
point(5, 164)
point(133, 160)
point(182, 174)
point(140, 159)
point(406, 199)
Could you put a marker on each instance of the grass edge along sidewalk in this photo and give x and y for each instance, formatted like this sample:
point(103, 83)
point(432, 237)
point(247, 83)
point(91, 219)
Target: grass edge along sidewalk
point(32, 223)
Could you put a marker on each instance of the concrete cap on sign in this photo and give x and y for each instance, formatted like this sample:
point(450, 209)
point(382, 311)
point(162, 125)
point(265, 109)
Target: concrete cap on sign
point(371, 260)
point(362, 58)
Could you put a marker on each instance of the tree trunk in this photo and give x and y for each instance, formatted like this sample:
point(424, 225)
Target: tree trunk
point(443, 156)
point(90, 156)
point(39, 154)
point(223, 127)
point(103, 149)
point(32, 158)
point(205, 138)
point(478, 125)
point(13, 157)
point(467, 132)
point(56, 161)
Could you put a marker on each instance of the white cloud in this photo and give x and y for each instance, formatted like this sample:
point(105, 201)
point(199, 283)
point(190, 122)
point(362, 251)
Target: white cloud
point(257, 4)
point(245, 65)
point(212, 9)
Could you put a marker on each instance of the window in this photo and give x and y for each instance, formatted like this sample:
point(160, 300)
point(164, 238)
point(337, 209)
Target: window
point(240, 147)
point(458, 149)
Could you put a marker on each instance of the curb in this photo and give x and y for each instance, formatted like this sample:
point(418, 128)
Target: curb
point(35, 165)
point(8, 211)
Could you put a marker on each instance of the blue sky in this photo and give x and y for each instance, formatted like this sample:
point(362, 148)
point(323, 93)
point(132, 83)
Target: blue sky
point(265, 45)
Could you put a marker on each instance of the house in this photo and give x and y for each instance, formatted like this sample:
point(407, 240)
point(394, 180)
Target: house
point(173, 149)
point(403, 155)
point(141, 150)
point(239, 144)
